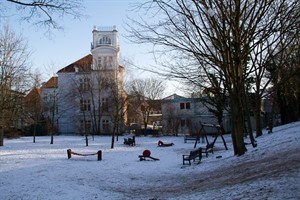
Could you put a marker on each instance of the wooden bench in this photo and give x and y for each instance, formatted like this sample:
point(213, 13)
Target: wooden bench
point(130, 141)
point(208, 149)
point(193, 156)
point(190, 137)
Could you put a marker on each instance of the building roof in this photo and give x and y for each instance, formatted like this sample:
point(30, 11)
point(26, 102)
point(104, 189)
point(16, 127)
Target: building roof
point(33, 94)
point(174, 96)
point(83, 64)
point(51, 83)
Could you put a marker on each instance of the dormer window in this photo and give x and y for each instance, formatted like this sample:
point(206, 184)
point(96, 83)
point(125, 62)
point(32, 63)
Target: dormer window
point(105, 40)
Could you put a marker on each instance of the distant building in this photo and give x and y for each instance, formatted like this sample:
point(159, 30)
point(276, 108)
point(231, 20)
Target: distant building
point(90, 90)
point(141, 110)
point(181, 115)
point(88, 94)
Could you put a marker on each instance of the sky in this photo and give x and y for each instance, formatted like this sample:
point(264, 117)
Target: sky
point(66, 46)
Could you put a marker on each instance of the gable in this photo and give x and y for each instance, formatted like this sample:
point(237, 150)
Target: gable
point(51, 83)
point(83, 64)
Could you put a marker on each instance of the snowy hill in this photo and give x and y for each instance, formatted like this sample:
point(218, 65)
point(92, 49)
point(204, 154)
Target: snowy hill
point(42, 171)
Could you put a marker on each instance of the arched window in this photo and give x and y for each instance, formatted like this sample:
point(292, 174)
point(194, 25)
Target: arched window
point(108, 41)
point(105, 40)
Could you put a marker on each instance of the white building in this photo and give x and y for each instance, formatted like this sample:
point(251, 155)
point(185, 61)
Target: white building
point(182, 115)
point(90, 89)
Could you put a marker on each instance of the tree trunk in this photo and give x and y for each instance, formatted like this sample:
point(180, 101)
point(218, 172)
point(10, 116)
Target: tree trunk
point(237, 123)
point(51, 142)
point(34, 133)
point(112, 141)
point(247, 115)
point(86, 139)
point(52, 131)
point(1, 136)
point(257, 115)
point(113, 137)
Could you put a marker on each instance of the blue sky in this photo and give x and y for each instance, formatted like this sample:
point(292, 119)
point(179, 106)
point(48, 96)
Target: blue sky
point(64, 47)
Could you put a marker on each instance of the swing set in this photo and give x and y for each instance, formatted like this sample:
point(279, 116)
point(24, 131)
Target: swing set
point(203, 133)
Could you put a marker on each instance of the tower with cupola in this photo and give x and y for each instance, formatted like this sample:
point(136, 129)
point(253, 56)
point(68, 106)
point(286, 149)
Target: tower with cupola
point(105, 48)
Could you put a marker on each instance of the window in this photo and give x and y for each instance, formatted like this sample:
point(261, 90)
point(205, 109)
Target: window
point(104, 104)
point(109, 61)
point(100, 62)
point(181, 106)
point(188, 122)
point(105, 61)
point(105, 40)
point(188, 105)
point(85, 105)
point(105, 125)
point(185, 105)
point(85, 124)
point(182, 123)
point(84, 84)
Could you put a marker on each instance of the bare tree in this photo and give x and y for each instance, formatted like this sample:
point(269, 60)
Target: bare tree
point(218, 34)
point(32, 109)
point(49, 99)
point(284, 72)
point(285, 33)
point(14, 68)
point(45, 13)
point(215, 97)
point(113, 104)
point(170, 123)
point(84, 91)
point(146, 92)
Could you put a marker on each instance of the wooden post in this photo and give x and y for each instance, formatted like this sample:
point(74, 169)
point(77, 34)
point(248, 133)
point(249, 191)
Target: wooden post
point(69, 153)
point(1, 136)
point(99, 155)
point(133, 140)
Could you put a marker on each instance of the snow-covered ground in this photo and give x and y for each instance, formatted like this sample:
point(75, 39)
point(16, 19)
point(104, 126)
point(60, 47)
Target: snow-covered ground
point(39, 170)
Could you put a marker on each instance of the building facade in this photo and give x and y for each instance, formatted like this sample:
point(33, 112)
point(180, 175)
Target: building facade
point(90, 90)
point(181, 115)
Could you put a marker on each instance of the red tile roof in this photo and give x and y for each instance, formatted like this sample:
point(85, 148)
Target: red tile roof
point(51, 83)
point(33, 94)
point(83, 64)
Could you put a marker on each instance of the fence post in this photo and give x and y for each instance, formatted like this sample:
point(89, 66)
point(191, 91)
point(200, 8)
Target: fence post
point(99, 155)
point(69, 153)
point(1, 135)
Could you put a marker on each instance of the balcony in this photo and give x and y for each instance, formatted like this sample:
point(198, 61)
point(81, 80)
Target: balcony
point(103, 45)
point(105, 28)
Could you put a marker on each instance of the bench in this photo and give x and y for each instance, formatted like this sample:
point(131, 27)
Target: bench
point(130, 141)
point(208, 149)
point(189, 137)
point(193, 156)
